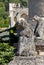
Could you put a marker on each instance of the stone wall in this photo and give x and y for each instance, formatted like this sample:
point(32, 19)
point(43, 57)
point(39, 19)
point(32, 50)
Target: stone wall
point(33, 60)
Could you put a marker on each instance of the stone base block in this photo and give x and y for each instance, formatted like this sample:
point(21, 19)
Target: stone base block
point(32, 60)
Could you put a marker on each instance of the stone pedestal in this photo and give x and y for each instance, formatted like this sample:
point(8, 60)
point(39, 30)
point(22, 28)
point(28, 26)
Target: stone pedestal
point(26, 45)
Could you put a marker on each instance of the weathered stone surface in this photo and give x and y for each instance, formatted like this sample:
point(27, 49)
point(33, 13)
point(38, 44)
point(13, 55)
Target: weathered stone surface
point(23, 61)
point(26, 47)
point(33, 24)
point(30, 60)
point(40, 60)
point(39, 41)
point(26, 41)
point(40, 28)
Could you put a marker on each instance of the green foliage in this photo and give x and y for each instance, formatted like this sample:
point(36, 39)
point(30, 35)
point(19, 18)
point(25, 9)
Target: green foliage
point(11, 32)
point(23, 3)
point(16, 1)
point(3, 16)
point(6, 53)
point(2, 8)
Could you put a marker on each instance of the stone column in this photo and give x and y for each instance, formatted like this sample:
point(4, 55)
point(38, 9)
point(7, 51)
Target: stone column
point(36, 7)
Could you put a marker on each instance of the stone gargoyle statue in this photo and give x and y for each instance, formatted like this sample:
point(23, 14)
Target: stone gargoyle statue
point(26, 44)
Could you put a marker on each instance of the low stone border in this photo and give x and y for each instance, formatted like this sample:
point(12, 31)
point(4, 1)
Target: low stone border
point(31, 60)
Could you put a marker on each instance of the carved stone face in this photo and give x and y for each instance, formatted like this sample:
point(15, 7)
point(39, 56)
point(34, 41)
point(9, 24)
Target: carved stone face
point(19, 26)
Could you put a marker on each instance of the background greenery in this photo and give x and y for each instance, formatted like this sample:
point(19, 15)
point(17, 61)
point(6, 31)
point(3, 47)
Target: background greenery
point(3, 16)
point(6, 53)
point(4, 8)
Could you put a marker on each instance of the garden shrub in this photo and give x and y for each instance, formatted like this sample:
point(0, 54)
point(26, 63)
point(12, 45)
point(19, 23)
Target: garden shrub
point(6, 53)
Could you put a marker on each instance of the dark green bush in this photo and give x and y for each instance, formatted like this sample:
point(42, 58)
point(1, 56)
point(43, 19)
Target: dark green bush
point(6, 53)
